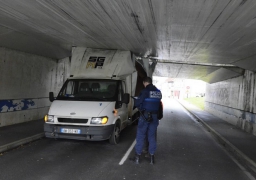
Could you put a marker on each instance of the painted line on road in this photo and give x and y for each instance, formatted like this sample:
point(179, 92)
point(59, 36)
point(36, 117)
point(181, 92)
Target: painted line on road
point(226, 144)
point(127, 153)
point(247, 173)
point(20, 142)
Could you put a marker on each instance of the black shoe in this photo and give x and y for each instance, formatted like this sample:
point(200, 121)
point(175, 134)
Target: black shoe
point(152, 159)
point(136, 159)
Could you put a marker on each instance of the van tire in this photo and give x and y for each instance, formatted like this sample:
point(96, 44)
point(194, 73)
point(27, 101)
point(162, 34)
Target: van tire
point(115, 136)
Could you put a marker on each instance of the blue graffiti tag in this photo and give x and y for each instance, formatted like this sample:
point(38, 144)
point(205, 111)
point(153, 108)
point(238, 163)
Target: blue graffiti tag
point(16, 105)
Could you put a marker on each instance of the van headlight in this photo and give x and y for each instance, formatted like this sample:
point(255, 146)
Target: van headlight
point(99, 120)
point(48, 118)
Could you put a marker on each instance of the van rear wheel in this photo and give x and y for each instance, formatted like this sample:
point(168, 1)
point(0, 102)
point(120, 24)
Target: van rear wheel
point(115, 136)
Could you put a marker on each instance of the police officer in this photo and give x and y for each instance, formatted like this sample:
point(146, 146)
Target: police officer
point(159, 117)
point(148, 104)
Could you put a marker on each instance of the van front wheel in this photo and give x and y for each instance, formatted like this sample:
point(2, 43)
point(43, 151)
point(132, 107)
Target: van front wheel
point(114, 138)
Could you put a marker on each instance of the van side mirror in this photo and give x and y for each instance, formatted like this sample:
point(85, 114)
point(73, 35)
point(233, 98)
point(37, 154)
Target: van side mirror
point(126, 98)
point(51, 96)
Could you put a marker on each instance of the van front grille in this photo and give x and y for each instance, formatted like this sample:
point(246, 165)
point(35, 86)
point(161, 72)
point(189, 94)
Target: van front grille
point(71, 120)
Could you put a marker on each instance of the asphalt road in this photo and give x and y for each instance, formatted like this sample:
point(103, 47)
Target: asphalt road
point(185, 151)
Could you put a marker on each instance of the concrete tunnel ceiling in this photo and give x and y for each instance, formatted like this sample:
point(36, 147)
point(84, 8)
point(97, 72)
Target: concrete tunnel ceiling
point(211, 40)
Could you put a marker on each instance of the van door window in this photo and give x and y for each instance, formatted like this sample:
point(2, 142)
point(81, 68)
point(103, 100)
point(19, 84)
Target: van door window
point(120, 92)
point(124, 87)
point(70, 87)
point(69, 90)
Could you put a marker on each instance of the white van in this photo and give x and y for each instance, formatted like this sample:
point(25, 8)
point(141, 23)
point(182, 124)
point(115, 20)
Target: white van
point(94, 103)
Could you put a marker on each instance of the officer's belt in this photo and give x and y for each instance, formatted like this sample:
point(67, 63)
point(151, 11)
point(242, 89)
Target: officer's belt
point(152, 112)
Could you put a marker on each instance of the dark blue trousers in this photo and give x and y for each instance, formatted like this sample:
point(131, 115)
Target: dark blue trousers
point(149, 129)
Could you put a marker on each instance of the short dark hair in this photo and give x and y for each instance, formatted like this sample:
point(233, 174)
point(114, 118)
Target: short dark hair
point(147, 79)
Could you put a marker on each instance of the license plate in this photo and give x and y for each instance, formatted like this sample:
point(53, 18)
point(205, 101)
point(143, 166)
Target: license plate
point(70, 131)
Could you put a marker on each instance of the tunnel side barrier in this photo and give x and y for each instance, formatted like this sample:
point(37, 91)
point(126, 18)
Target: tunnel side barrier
point(225, 143)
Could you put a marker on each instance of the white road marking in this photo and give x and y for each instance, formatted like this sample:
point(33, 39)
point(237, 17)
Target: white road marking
point(210, 134)
point(248, 174)
point(127, 153)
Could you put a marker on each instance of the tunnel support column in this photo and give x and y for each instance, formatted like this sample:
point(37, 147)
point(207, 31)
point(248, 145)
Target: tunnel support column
point(149, 66)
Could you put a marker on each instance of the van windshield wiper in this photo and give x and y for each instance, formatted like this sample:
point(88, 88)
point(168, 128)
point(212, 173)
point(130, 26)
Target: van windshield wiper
point(90, 98)
point(85, 98)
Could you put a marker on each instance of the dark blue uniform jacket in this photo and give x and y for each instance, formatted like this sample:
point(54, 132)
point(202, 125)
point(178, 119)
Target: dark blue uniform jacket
point(149, 99)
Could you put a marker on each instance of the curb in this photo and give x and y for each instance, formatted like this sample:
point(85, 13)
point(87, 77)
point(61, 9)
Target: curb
point(20, 142)
point(224, 142)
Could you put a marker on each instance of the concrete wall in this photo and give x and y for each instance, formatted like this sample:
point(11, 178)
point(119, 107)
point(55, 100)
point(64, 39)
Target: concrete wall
point(233, 100)
point(63, 72)
point(25, 83)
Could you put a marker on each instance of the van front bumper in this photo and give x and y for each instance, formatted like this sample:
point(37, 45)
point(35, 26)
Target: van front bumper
point(91, 133)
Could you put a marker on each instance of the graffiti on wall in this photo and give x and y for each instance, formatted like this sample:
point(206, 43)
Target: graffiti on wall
point(220, 94)
point(16, 105)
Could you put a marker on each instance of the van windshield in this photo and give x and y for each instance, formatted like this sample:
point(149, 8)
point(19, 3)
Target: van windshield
point(89, 90)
